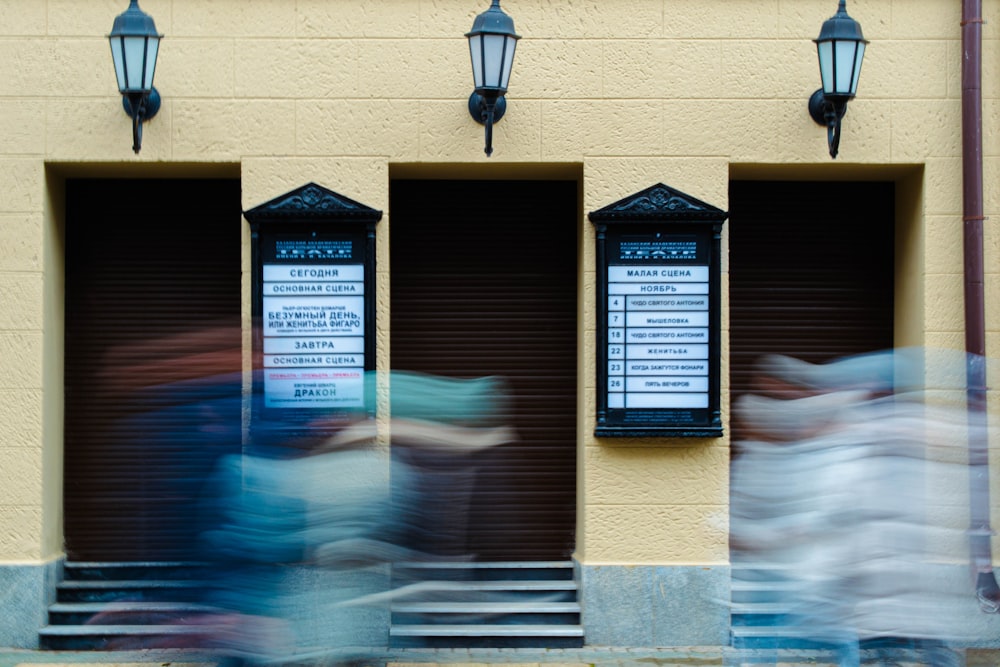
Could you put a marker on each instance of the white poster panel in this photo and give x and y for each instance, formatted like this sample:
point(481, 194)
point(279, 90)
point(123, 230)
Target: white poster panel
point(651, 289)
point(318, 315)
point(324, 344)
point(660, 367)
point(299, 273)
point(309, 360)
point(692, 302)
point(658, 318)
point(662, 385)
point(313, 288)
point(314, 388)
point(666, 352)
point(692, 335)
point(655, 274)
point(654, 401)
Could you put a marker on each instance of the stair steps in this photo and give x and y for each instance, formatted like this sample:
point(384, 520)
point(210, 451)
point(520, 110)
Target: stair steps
point(762, 619)
point(130, 606)
point(125, 606)
point(760, 615)
point(486, 605)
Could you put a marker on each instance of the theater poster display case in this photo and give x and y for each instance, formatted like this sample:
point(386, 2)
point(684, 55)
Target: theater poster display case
point(313, 256)
point(658, 305)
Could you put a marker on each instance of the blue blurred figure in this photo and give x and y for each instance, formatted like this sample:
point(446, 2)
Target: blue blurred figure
point(302, 538)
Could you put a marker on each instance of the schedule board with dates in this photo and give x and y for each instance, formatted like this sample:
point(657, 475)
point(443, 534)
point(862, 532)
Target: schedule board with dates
point(658, 272)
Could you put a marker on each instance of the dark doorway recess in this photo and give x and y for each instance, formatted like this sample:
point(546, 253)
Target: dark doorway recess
point(152, 361)
point(811, 272)
point(484, 284)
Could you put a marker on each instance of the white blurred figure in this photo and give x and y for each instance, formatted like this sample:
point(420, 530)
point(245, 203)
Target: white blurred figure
point(836, 492)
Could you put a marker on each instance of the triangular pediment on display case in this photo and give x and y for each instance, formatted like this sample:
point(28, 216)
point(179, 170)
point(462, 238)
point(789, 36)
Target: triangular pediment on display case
point(657, 203)
point(314, 203)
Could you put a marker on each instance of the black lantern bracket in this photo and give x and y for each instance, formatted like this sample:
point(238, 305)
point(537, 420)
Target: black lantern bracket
point(828, 112)
point(487, 110)
point(479, 108)
point(140, 107)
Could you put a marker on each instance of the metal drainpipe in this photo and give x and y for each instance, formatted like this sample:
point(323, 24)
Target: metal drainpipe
point(980, 533)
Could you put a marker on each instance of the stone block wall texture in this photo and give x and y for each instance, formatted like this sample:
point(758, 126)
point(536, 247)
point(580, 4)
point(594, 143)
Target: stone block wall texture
point(347, 93)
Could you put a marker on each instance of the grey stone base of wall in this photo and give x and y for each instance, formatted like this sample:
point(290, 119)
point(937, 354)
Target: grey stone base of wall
point(26, 591)
point(637, 605)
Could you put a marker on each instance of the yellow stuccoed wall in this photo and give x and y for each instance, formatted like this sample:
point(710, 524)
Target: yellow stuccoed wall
point(347, 93)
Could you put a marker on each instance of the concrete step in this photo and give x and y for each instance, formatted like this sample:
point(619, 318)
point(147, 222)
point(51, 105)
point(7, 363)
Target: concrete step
point(491, 630)
point(487, 607)
point(134, 590)
point(119, 637)
point(119, 612)
point(132, 571)
point(529, 613)
point(742, 608)
point(769, 631)
point(493, 591)
point(487, 635)
point(517, 585)
point(502, 570)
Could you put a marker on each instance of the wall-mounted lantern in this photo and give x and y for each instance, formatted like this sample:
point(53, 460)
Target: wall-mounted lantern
point(841, 48)
point(134, 45)
point(492, 41)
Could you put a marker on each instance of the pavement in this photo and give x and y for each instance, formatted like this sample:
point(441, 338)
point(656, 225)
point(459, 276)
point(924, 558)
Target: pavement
point(696, 656)
point(522, 657)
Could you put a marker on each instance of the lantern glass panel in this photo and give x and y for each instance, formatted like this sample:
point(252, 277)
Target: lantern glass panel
point(859, 55)
point(135, 56)
point(847, 58)
point(118, 56)
point(493, 60)
point(476, 51)
point(133, 53)
point(826, 70)
point(152, 48)
point(508, 61)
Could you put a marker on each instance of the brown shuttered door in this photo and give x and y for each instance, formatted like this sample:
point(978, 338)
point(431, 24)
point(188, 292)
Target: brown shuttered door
point(811, 272)
point(152, 360)
point(484, 284)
